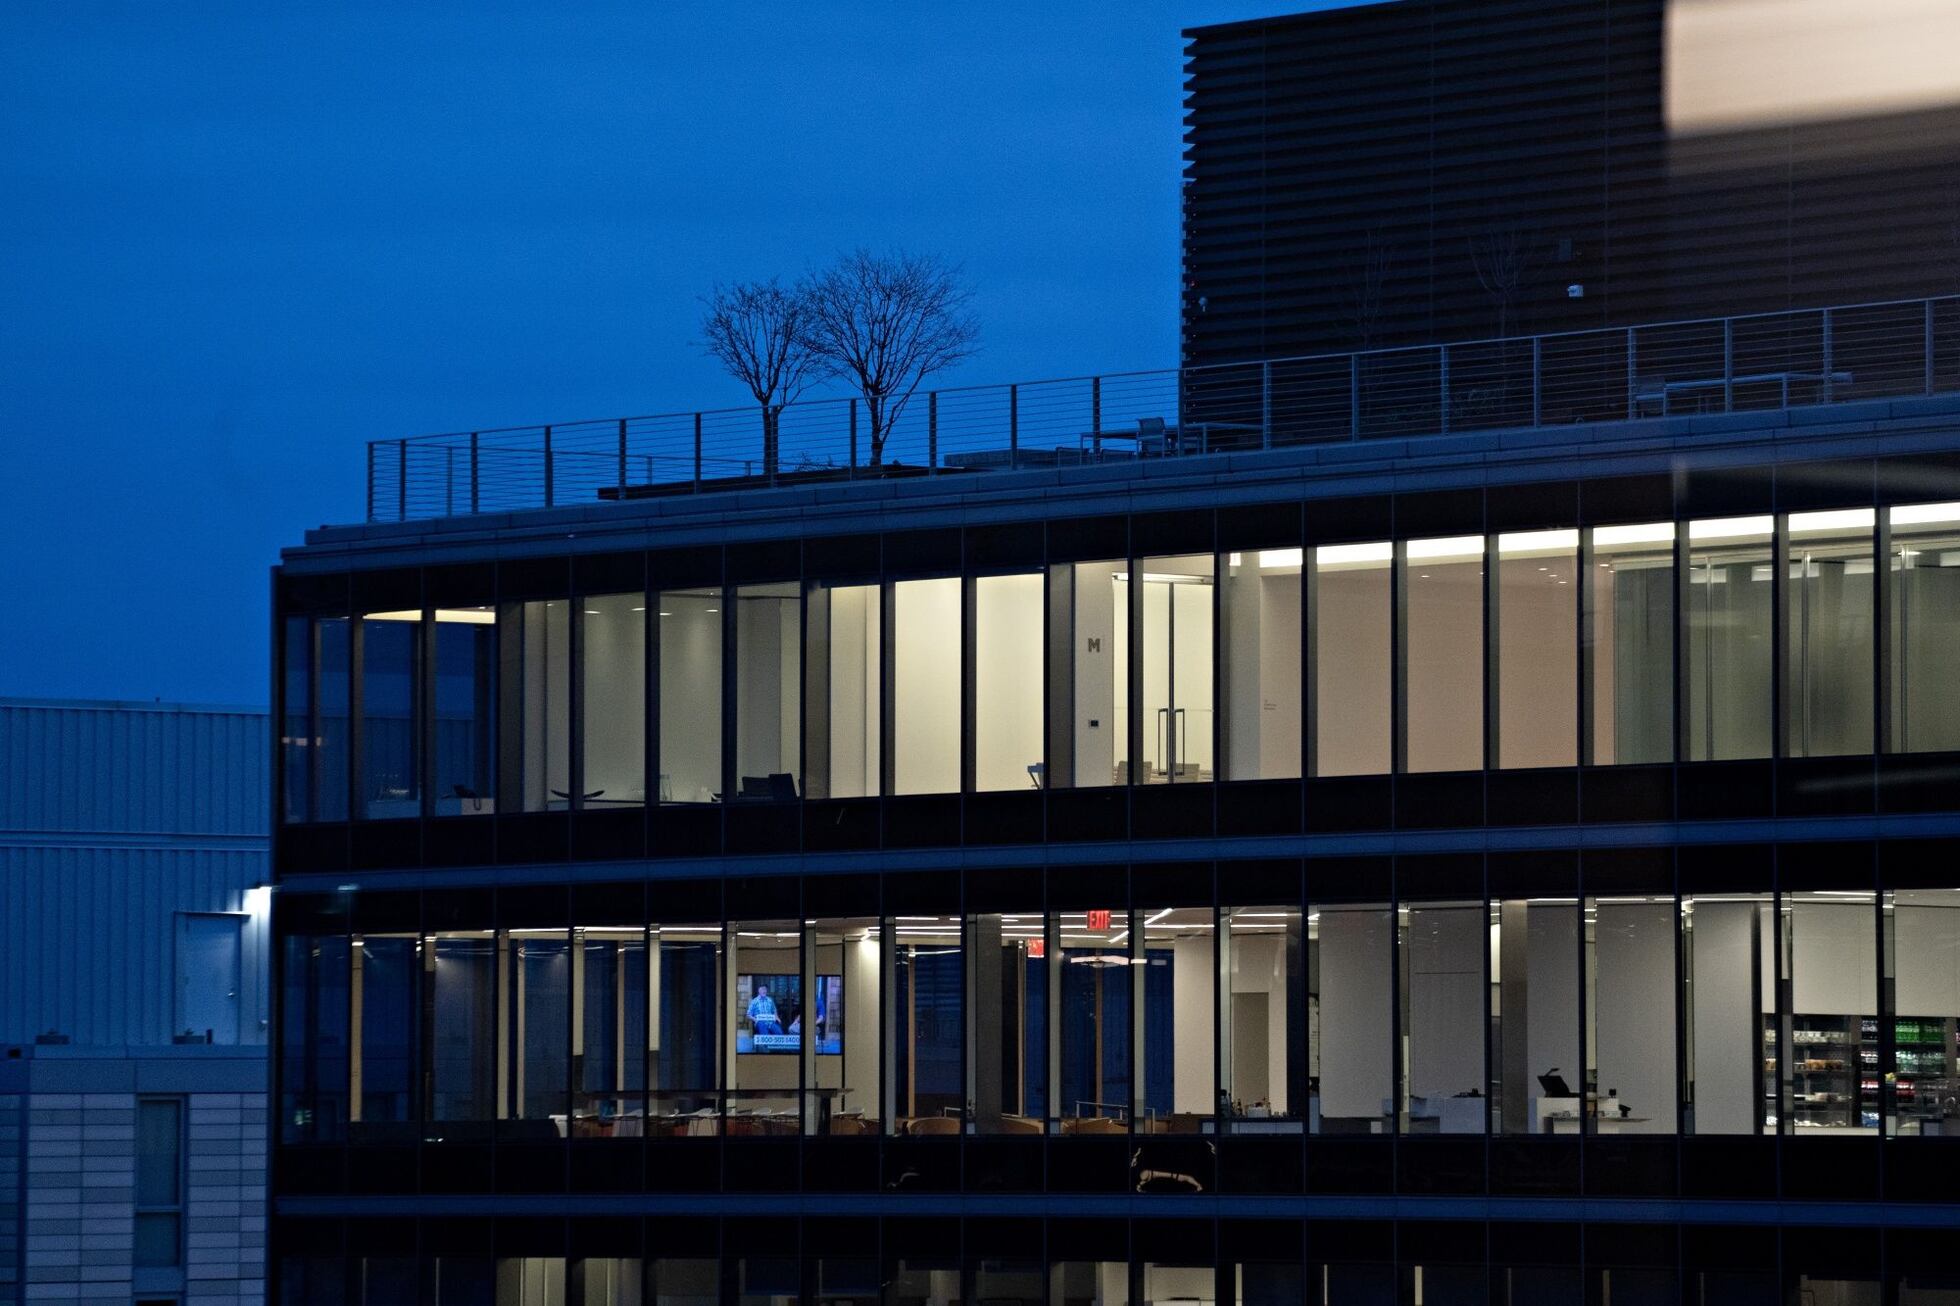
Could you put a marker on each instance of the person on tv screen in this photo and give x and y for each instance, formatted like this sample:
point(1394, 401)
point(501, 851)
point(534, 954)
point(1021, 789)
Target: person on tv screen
point(762, 1012)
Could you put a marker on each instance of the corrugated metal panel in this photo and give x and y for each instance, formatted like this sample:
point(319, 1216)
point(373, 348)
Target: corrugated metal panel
point(114, 820)
point(132, 768)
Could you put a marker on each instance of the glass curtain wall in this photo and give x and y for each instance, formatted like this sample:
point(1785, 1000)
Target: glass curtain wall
point(1829, 1081)
point(1351, 1018)
point(844, 691)
point(1008, 974)
point(1095, 1020)
point(1442, 654)
point(1175, 615)
point(314, 1042)
point(298, 741)
point(1261, 677)
point(608, 1281)
point(535, 771)
point(1630, 1021)
point(390, 780)
point(689, 626)
point(925, 685)
point(1351, 633)
point(768, 684)
point(537, 1009)
point(1537, 1073)
point(1262, 1019)
point(1007, 682)
point(1727, 639)
point(1729, 968)
point(1535, 605)
point(1177, 1014)
point(334, 714)
point(386, 1013)
point(463, 736)
point(1922, 958)
point(769, 1010)
point(611, 985)
point(1629, 644)
point(1088, 674)
point(925, 1018)
point(843, 969)
point(613, 701)
point(1443, 1018)
point(460, 1018)
point(686, 1029)
point(1923, 611)
point(1828, 633)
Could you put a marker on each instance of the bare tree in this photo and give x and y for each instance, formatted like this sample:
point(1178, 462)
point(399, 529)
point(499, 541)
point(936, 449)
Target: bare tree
point(1370, 279)
point(759, 332)
point(886, 322)
point(1502, 256)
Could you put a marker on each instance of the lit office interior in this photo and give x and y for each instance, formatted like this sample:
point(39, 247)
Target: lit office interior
point(1337, 660)
point(1711, 1014)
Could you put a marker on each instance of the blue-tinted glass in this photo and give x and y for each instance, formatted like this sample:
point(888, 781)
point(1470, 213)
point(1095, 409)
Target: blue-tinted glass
point(464, 738)
point(1160, 1031)
point(388, 1024)
point(389, 785)
point(1035, 1086)
point(333, 692)
point(540, 1011)
point(931, 1078)
point(296, 734)
point(463, 1076)
point(313, 1038)
point(684, 1057)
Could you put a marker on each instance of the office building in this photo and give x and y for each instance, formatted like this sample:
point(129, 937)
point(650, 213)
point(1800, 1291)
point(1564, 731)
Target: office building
point(134, 904)
point(1466, 823)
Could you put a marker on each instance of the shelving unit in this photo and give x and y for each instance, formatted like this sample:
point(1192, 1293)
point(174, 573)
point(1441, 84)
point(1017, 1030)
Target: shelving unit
point(1923, 1057)
point(1830, 1057)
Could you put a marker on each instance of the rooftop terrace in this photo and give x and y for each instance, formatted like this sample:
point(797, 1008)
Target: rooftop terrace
point(1755, 363)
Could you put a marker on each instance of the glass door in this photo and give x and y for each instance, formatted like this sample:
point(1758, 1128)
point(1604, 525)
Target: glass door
point(1176, 614)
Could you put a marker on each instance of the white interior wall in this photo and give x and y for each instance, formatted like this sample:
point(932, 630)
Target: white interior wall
point(1446, 1000)
point(1445, 660)
point(1356, 1018)
point(1633, 1008)
point(1552, 994)
point(1192, 987)
point(855, 647)
point(768, 643)
point(690, 696)
point(1727, 1017)
point(862, 969)
point(1099, 724)
point(1353, 670)
point(1926, 940)
point(1007, 680)
point(1259, 966)
point(926, 686)
point(613, 645)
point(1278, 704)
point(1537, 662)
point(1834, 958)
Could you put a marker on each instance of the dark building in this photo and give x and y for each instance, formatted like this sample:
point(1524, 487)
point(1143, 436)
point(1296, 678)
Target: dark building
point(1483, 827)
point(1455, 170)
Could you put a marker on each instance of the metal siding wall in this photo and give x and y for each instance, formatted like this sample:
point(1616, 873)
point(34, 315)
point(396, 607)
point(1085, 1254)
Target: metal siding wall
point(114, 818)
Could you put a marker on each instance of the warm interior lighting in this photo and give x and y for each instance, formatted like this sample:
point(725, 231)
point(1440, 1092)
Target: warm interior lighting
point(1338, 557)
point(467, 616)
point(1840, 519)
point(1537, 544)
point(1608, 537)
point(1730, 528)
point(1926, 514)
point(415, 615)
point(1450, 548)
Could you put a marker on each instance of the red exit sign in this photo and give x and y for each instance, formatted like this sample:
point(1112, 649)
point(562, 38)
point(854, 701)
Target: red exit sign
point(1099, 920)
point(1037, 948)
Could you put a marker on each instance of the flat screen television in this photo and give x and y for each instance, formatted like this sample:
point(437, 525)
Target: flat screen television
point(771, 1016)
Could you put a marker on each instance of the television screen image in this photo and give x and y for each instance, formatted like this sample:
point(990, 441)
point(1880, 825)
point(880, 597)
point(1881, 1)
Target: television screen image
point(770, 1014)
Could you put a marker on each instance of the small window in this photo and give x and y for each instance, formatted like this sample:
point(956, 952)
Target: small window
point(159, 1182)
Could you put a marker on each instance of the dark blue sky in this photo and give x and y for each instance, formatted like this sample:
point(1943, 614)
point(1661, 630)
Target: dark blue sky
point(236, 241)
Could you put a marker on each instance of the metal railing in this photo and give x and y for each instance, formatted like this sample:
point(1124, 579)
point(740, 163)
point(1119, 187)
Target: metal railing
point(1756, 362)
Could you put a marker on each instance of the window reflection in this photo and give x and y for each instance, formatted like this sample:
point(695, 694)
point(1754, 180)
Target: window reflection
point(314, 1039)
point(537, 997)
point(462, 1023)
point(686, 1031)
point(611, 986)
point(464, 734)
point(390, 683)
point(1726, 639)
point(1630, 644)
point(388, 1020)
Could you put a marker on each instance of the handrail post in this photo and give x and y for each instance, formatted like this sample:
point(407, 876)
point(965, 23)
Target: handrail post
point(401, 480)
point(1930, 378)
point(1538, 380)
point(1633, 401)
point(1824, 390)
point(1443, 389)
point(1354, 396)
point(1013, 426)
point(1728, 368)
point(854, 436)
point(622, 459)
point(474, 480)
point(697, 453)
point(550, 488)
point(370, 476)
point(1266, 404)
point(932, 430)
